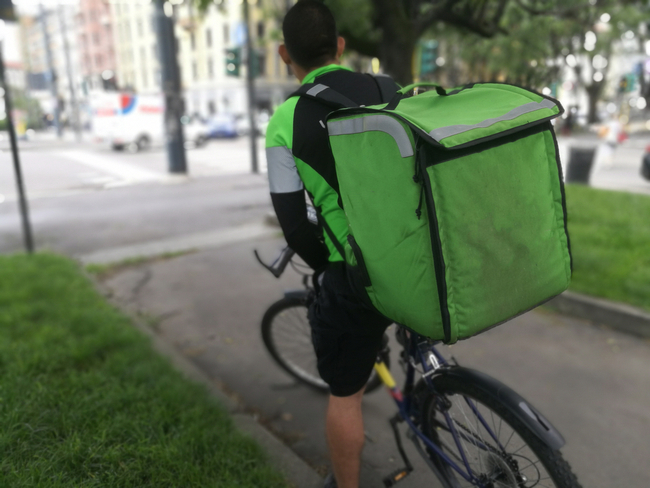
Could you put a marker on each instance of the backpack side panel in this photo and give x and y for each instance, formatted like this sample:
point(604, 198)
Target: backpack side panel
point(375, 171)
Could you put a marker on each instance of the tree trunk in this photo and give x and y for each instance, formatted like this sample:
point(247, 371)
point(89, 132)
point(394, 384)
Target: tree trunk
point(398, 60)
point(593, 95)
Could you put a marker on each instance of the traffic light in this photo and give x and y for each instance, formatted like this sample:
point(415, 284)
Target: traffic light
point(257, 63)
point(428, 57)
point(233, 61)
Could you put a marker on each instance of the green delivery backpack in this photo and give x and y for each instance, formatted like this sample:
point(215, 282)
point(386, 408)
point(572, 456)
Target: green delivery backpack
point(455, 205)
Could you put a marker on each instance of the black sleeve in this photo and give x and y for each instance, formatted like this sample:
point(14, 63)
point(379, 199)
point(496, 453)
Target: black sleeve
point(301, 235)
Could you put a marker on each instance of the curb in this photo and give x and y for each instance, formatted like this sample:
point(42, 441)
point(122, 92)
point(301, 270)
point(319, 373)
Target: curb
point(297, 472)
point(613, 314)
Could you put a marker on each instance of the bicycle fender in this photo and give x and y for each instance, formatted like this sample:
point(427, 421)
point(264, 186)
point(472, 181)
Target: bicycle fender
point(299, 294)
point(511, 400)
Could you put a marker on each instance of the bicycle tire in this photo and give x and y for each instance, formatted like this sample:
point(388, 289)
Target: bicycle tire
point(287, 337)
point(526, 458)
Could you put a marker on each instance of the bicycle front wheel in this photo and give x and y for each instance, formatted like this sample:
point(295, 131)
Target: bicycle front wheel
point(287, 336)
point(501, 451)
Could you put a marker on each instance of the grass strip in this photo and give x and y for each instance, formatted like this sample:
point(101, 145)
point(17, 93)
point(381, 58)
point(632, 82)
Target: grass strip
point(610, 242)
point(86, 402)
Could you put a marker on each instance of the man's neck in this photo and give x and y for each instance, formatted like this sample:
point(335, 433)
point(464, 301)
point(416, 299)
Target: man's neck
point(301, 73)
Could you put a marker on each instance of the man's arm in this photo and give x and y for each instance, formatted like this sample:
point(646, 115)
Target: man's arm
point(301, 235)
point(288, 197)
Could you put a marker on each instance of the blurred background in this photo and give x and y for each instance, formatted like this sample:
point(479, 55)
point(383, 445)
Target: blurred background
point(139, 130)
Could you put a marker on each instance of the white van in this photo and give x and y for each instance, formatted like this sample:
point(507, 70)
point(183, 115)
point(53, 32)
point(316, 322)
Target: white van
point(135, 122)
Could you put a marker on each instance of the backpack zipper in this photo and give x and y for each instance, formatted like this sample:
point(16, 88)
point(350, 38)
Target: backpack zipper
point(417, 177)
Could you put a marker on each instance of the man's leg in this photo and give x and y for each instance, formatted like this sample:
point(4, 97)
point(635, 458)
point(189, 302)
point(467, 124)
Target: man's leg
point(344, 429)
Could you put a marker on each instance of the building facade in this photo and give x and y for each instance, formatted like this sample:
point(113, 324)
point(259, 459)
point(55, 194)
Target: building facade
point(203, 39)
point(96, 45)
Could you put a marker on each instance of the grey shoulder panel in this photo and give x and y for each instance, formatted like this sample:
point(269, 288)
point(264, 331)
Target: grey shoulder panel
point(283, 173)
point(381, 123)
point(454, 130)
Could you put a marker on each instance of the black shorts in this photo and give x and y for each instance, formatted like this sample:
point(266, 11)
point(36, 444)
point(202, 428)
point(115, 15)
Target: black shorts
point(347, 335)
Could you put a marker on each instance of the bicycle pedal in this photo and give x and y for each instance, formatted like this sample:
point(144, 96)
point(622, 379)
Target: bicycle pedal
point(396, 476)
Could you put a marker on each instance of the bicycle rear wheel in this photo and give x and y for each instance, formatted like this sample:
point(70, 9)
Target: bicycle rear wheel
point(287, 336)
point(502, 452)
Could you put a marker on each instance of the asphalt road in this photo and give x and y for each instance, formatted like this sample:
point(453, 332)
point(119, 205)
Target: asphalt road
point(592, 383)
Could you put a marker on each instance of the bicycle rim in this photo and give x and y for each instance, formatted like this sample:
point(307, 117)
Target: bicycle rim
point(500, 450)
point(287, 336)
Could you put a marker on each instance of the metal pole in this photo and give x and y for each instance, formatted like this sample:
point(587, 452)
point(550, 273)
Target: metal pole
point(50, 67)
point(22, 201)
point(250, 86)
point(68, 64)
point(171, 87)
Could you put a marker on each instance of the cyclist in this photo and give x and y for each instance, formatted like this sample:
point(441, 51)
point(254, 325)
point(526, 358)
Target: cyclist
point(346, 335)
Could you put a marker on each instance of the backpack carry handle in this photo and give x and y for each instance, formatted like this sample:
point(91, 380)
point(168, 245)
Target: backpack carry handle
point(400, 93)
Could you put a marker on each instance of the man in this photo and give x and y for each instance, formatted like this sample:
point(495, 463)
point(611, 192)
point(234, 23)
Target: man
point(346, 334)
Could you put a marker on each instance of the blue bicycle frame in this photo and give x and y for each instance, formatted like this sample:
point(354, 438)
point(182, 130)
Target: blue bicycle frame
point(423, 351)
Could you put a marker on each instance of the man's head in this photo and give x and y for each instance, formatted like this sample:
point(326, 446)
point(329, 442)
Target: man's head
point(310, 37)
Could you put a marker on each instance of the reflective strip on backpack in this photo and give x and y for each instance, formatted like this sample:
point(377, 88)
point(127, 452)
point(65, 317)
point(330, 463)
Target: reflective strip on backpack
point(317, 89)
point(381, 123)
point(454, 130)
point(283, 173)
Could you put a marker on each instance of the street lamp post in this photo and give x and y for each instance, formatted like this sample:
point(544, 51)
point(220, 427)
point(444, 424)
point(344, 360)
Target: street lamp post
point(22, 200)
point(250, 87)
point(52, 73)
point(171, 87)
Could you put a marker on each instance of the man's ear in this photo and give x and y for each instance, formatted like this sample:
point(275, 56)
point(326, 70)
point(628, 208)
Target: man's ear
point(284, 54)
point(340, 47)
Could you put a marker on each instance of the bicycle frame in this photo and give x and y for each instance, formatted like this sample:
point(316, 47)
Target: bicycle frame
point(422, 351)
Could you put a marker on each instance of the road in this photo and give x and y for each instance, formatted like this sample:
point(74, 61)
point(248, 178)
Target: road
point(592, 383)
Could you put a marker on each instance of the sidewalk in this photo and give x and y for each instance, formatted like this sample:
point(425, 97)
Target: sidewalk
point(204, 308)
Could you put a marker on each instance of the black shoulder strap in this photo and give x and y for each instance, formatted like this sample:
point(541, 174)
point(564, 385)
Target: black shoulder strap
point(324, 94)
point(387, 87)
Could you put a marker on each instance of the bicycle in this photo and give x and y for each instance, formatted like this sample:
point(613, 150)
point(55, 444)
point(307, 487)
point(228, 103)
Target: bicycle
point(471, 429)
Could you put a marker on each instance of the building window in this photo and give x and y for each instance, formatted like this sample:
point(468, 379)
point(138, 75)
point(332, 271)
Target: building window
point(95, 38)
point(98, 61)
point(226, 34)
point(143, 55)
point(154, 52)
point(212, 109)
point(140, 29)
point(192, 41)
point(195, 71)
point(210, 68)
point(260, 30)
point(208, 37)
point(144, 78)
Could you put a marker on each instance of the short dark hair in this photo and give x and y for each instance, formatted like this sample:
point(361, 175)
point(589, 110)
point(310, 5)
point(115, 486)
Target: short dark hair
point(310, 34)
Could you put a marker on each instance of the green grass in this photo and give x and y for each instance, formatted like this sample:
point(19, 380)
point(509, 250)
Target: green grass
point(610, 242)
point(86, 402)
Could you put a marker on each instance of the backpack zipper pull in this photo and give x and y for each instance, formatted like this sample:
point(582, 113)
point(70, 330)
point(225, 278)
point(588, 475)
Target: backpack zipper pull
point(418, 211)
point(417, 178)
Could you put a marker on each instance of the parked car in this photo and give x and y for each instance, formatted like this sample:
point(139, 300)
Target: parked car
point(244, 125)
point(196, 131)
point(222, 126)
